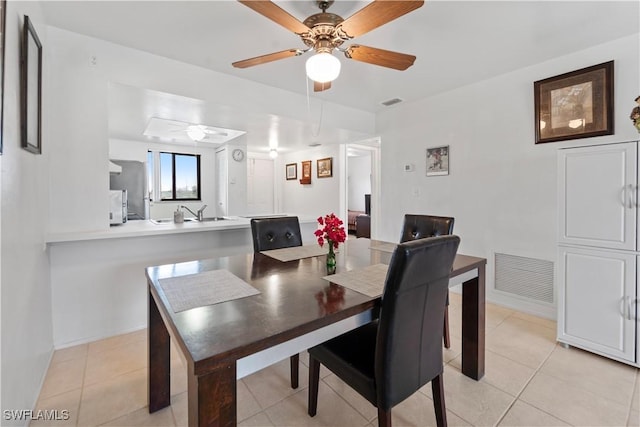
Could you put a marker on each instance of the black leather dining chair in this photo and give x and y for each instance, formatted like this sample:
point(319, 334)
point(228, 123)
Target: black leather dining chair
point(419, 227)
point(277, 233)
point(389, 359)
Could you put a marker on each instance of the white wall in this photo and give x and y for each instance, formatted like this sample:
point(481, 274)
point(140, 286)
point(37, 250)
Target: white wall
point(120, 149)
point(502, 187)
point(26, 333)
point(78, 132)
point(358, 181)
point(323, 195)
point(237, 183)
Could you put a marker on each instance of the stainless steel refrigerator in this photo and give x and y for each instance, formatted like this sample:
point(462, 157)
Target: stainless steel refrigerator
point(132, 178)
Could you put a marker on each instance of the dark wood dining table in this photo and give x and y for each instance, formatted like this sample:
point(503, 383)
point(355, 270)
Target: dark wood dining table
point(296, 309)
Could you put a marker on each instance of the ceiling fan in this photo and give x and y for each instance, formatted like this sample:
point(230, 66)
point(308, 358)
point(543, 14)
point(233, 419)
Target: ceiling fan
point(323, 32)
point(178, 130)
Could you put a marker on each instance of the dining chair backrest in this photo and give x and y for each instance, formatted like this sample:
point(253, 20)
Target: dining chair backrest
point(409, 338)
point(275, 233)
point(421, 226)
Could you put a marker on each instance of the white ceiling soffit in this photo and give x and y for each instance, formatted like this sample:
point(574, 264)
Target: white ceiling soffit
point(131, 109)
point(178, 131)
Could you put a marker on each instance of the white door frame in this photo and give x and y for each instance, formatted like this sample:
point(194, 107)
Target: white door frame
point(372, 145)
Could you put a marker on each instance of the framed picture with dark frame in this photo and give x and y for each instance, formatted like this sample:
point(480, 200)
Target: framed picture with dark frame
point(306, 172)
point(31, 89)
point(3, 26)
point(292, 171)
point(438, 161)
point(325, 167)
point(574, 105)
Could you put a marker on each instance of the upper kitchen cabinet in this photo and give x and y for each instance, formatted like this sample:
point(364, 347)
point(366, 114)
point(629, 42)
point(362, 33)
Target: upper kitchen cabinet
point(597, 191)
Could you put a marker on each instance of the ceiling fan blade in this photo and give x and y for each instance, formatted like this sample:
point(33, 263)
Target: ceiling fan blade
point(319, 87)
point(267, 58)
point(377, 14)
point(384, 58)
point(276, 14)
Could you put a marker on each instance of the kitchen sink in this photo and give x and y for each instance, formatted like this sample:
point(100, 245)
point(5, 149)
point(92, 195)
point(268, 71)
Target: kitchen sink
point(162, 221)
point(213, 218)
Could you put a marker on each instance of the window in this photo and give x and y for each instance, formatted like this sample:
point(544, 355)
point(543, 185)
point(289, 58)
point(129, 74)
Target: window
point(174, 176)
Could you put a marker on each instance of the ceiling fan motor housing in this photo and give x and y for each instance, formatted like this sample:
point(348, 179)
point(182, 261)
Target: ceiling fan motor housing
point(325, 33)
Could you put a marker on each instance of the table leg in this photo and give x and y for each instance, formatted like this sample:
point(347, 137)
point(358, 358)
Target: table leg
point(212, 397)
point(473, 325)
point(159, 369)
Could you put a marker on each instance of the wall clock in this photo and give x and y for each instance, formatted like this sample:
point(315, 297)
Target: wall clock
point(238, 155)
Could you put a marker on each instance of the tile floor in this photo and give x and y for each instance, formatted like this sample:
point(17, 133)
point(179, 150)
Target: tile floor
point(529, 381)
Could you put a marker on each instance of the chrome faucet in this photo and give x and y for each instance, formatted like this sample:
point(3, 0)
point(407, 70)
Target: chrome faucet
point(199, 214)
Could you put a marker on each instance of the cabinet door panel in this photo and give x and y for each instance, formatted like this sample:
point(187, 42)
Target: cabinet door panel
point(596, 195)
point(595, 287)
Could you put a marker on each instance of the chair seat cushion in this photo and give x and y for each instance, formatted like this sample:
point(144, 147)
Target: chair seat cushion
point(351, 356)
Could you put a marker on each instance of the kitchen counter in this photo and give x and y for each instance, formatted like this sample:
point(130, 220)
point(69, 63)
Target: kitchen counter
point(143, 228)
point(98, 286)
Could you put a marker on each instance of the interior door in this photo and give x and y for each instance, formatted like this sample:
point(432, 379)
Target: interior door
point(221, 183)
point(260, 186)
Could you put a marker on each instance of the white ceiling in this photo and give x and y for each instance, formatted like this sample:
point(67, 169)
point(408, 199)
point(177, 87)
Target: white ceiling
point(456, 42)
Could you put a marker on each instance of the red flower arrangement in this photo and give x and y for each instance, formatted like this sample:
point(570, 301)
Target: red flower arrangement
point(331, 229)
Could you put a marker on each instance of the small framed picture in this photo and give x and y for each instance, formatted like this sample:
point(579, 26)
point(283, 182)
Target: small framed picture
point(573, 105)
point(306, 172)
point(292, 171)
point(325, 168)
point(438, 161)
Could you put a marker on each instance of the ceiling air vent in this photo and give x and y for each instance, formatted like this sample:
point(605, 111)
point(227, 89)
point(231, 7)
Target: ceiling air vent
point(315, 144)
point(391, 102)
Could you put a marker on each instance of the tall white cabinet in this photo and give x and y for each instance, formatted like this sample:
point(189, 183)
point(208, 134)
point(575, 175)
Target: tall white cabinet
point(598, 249)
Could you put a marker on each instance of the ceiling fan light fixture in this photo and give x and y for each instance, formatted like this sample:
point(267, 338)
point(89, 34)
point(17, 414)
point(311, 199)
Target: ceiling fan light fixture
point(323, 67)
point(195, 132)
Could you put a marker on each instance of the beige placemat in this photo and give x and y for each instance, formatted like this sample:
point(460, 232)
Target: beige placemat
point(383, 246)
point(368, 280)
point(297, 252)
point(207, 288)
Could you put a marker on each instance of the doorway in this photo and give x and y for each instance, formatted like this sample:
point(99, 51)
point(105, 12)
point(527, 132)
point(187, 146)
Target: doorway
point(363, 180)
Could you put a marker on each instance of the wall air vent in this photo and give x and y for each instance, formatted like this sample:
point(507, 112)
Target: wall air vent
point(391, 102)
point(315, 144)
point(526, 277)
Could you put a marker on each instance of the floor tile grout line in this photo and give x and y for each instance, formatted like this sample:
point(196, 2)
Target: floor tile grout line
point(636, 387)
point(345, 400)
point(584, 389)
point(517, 397)
point(84, 373)
point(254, 398)
point(128, 371)
point(173, 413)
